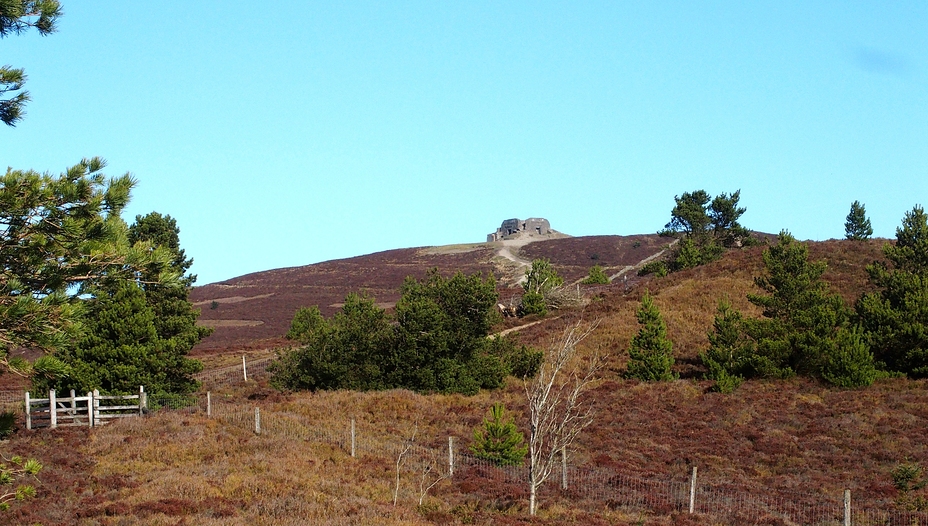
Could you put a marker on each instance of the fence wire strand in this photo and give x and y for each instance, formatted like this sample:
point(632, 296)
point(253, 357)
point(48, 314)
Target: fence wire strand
point(605, 486)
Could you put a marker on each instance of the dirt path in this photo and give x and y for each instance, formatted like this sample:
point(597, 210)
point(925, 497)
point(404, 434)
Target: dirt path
point(643, 262)
point(514, 329)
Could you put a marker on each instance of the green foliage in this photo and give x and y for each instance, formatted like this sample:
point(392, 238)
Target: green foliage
point(533, 303)
point(658, 268)
point(857, 225)
point(895, 317)
point(908, 478)
point(121, 349)
point(518, 360)
point(706, 227)
point(498, 440)
point(729, 349)
point(346, 352)
point(441, 330)
point(847, 361)
point(540, 280)
point(806, 329)
point(137, 331)
point(12, 473)
point(7, 423)
point(175, 316)
point(650, 352)
point(17, 16)
point(597, 276)
point(63, 237)
point(306, 323)
point(437, 342)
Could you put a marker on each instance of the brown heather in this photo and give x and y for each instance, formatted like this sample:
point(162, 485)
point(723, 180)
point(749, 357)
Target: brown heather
point(798, 439)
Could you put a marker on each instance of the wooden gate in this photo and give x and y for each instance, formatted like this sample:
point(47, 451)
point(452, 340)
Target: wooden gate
point(90, 410)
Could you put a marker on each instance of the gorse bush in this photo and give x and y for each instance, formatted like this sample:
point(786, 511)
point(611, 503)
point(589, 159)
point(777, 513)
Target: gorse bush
point(436, 341)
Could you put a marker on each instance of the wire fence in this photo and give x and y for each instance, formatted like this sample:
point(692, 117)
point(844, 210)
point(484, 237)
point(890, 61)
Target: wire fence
point(431, 463)
point(14, 400)
point(583, 485)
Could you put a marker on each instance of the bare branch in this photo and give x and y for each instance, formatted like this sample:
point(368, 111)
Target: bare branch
point(557, 412)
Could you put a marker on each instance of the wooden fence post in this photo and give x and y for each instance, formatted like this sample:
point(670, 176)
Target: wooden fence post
point(73, 406)
point(847, 507)
point(693, 491)
point(90, 418)
point(257, 421)
point(143, 400)
point(52, 409)
point(209, 406)
point(244, 369)
point(28, 412)
point(450, 456)
point(95, 398)
point(563, 468)
point(352, 438)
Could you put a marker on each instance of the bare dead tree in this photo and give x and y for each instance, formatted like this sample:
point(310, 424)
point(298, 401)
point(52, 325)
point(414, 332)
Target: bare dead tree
point(430, 475)
point(407, 445)
point(557, 412)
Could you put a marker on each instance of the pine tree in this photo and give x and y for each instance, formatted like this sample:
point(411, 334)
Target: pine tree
point(650, 352)
point(805, 327)
point(857, 225)
point(540, 280)
point(896, 317)
point(62, 237)
point(597, 276)
point(729, 349)
point(17, 16)
point(498, 440)
point(175, 316)
point(705, 227)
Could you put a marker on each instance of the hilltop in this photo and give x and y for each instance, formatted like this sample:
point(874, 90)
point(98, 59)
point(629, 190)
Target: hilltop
point(254, 311)
point(797, 441)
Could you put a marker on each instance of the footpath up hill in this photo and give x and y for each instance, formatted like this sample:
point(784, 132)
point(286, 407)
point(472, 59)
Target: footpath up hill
point(254, 311)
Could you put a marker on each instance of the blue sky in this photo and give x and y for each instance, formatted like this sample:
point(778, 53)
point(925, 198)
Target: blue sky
point(306, 131)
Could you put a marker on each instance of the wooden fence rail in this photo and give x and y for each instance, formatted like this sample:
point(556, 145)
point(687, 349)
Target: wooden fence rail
point(89, 410)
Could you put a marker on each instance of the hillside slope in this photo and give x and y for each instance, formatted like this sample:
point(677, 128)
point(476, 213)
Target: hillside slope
point(254, 311)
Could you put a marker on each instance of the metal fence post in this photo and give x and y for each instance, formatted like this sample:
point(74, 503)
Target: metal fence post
point(244, 369)
point(28, 412)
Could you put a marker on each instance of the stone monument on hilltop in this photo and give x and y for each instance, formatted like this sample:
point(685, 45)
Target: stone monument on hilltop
point(511, 228)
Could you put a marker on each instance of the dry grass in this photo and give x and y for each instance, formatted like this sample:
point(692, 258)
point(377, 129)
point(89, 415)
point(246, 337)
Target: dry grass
point(797, 439)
